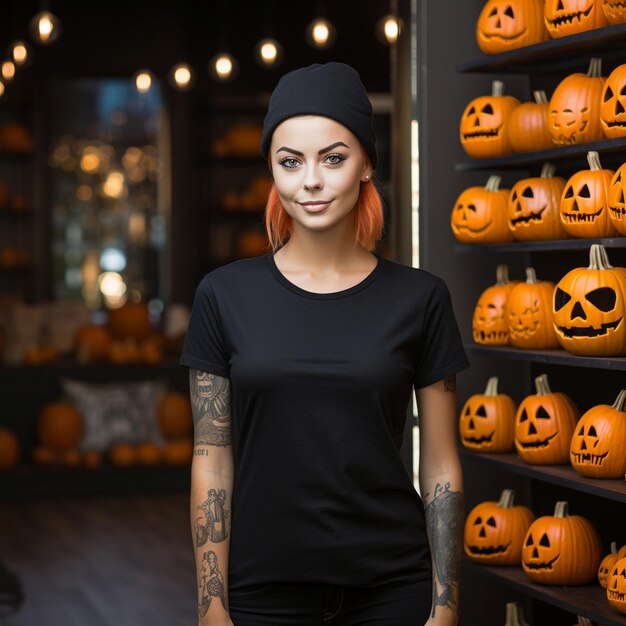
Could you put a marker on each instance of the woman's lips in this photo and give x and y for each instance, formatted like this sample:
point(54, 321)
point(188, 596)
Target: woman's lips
point(314, 207)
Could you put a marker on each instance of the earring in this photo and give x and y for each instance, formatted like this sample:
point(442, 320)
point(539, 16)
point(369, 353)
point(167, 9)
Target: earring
point(367, 178)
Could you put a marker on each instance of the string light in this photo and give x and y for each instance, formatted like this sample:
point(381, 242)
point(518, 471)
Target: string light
point(320, 33)
point(20, 53)
point(182, 77)
point(8, 71)
point(268, 52)
point(223, 67)
point(388, 29)
point(143, 80)
point(45, 27)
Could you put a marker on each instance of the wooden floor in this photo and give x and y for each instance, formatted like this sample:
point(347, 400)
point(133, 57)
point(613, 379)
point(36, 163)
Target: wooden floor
point(123, 561)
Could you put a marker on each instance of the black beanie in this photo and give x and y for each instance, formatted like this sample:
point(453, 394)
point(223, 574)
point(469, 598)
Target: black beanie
point(333, 90)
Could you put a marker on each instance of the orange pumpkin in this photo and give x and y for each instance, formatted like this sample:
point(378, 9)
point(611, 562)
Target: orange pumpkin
point(480, 214)
point(10, 449)
point(568, 17)
point(544, 425)
point(125, 351)
point(59, 426)
point(486, 420)
point(612, 112)
point(562, 549)
point(574, 113)
point(179, 452)
point(616, 586)
point(149, 453)
point(92, 343)
point(606, 565)
point(123, 454)
point(614, 10)
point(589, 307)
point(495, 531)
point(43, 455)
point(528, 125)
point(529, 311)
point(483, 124)
point(616, 204)
point(92, 458)
point(71, 458)
point(505, 25)
point(130, 321)
point(174, 415)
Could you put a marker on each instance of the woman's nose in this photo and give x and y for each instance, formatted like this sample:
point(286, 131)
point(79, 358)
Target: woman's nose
point(312, 179)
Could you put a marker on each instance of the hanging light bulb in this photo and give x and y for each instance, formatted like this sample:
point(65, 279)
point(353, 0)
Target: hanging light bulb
point(223, 67)
point(8, 71)
point(182, 77)
point(268, 53)
point(320, 33)
point(388, 29)
point(20, 53)
point(143, 80)
point(45, 27)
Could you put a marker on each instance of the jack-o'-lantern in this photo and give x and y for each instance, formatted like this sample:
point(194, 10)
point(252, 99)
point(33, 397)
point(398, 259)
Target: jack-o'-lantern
point(480, 214)
point(534, 206)
point(617, 206)
point(568, 17)
point(515, 614)
point(616, 586)
point(589, 306)
point(544, 424)
point(510, 24)
point(606, 564)
point(612, 107)
point(494, 531)
point(598, 447)
point(528, 125)
point(483, 124)
point(584, 202)
point(614, 10)
point(529, 311)
point(548, 557)
point(59, 426)
point(574, 113)
point(489, 322)
point(486, 420)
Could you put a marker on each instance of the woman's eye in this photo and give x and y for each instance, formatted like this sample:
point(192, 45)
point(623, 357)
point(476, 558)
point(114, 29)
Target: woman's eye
point(336, 158)
point(289, 162)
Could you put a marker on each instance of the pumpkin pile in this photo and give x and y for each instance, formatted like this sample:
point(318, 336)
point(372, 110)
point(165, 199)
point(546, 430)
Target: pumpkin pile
point(59, 432)
point(10, 449)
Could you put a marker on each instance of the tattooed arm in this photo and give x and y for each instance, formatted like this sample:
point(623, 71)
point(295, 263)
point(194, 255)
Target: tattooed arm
point(441, 486)
point(211, 493)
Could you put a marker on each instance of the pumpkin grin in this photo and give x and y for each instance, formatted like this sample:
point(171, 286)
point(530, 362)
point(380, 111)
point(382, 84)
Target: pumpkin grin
point(568, 18)
point(483, 134)
point(545, 565)
point(503, 37)
point(488, 550)
point(478, 440)
point(573, 218)
point(589, 458)
point(588, 331)
point(523, 331)
point(528, 219)
point(541, 443)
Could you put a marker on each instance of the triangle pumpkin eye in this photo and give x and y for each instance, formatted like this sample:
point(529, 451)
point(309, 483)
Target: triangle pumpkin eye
point(524, 416)
point(608, 94)
point(491, 522)
point(592, 432)
point(529, 541)
point(471, 111)
point(468, 411)
point(479, 520)
point(569, 193)
point(481, 411)
point(544, 541)
point(561, 298)
point(528, 193)
point(602, 298)
point(509, 12)
point(584, 191)
point(494, 11)
point(542, 414)
point(488, 109)
point(581, 432)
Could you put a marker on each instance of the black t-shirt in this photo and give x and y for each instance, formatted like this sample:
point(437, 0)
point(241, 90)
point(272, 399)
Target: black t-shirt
point(320, 387)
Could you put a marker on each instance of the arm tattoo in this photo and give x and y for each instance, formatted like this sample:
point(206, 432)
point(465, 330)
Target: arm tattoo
point(444, 520)
point(212, 523)
point(449, 384)
point(210, 400)
point(211, 583)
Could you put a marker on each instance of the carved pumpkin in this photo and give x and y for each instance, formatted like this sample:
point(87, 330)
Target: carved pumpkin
point(574, 113)
point(548, 556)
point(544, 425)
point(617, 206)
point(486, 420)
point(568, 17)
point(529, 310)
point(489, 324)
point(10, 449)
point(534, 207)
point(614, 10)
point(483, 124)
point(589, 306)
point(598, 447)
point(616, 586)
point(494, 531)
point(480, 214)
point(59, 426)
point(606, 564)
point(528, 125)
point(612, 111)
point(510, 24)
point(515, 615)
point(174, 415)
point(584, 203)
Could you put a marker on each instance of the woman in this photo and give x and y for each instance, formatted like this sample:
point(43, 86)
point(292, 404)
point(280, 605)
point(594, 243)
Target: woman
point(302, 362)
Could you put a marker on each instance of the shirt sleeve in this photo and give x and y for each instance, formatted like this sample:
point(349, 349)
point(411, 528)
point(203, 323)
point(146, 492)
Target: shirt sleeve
point(205, 345)
point(440, 351)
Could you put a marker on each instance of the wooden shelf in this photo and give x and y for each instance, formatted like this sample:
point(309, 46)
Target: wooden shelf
point(562, 475)
point(538, 246)
point(556, 357)
point(556, 55)
point(586, 600)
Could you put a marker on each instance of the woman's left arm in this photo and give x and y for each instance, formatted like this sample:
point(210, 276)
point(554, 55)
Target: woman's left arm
point(441, 486)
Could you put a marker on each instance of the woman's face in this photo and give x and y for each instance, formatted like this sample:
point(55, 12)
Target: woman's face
point(318, 165)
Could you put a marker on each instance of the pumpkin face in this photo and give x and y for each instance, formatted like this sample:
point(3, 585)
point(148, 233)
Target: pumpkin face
point(616, 586)
point(509, 24)
point(494, 531)
point(547, 556)
point(480, 214)
point(588, 308)
point(617, 206)
point(567, 17)
point(612, 111)
point(614, 10)
point(597, 447)
point(544, 425)
point(606, 565)
point(486, 421)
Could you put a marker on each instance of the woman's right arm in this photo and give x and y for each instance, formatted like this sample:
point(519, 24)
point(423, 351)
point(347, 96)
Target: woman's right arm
point(211, 493)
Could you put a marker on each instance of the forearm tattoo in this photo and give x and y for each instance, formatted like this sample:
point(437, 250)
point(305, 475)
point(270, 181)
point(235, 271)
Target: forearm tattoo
point(444, 521)
point(210, 401)
point(212, 523)
point(449, 384)
point(211, 583)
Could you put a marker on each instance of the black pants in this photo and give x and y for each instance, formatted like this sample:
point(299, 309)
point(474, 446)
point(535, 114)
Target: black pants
point(328, 605)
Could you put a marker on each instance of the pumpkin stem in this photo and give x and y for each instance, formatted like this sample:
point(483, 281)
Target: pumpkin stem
point(593, 158)
point(618, 405)
point(584, 621)
point(547, 171)
point(531, 277)
point(497, 88)
point(493, 183)
point(492, 386)
point(506, 499)
point(541, 385)
point(540, 96)
point(613, 547)
point(560, 509)
point(595, 68)
point(502, 274)
point(514, 615)
point(598, 258)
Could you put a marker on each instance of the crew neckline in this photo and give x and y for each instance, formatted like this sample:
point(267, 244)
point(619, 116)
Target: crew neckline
point(332, 295)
